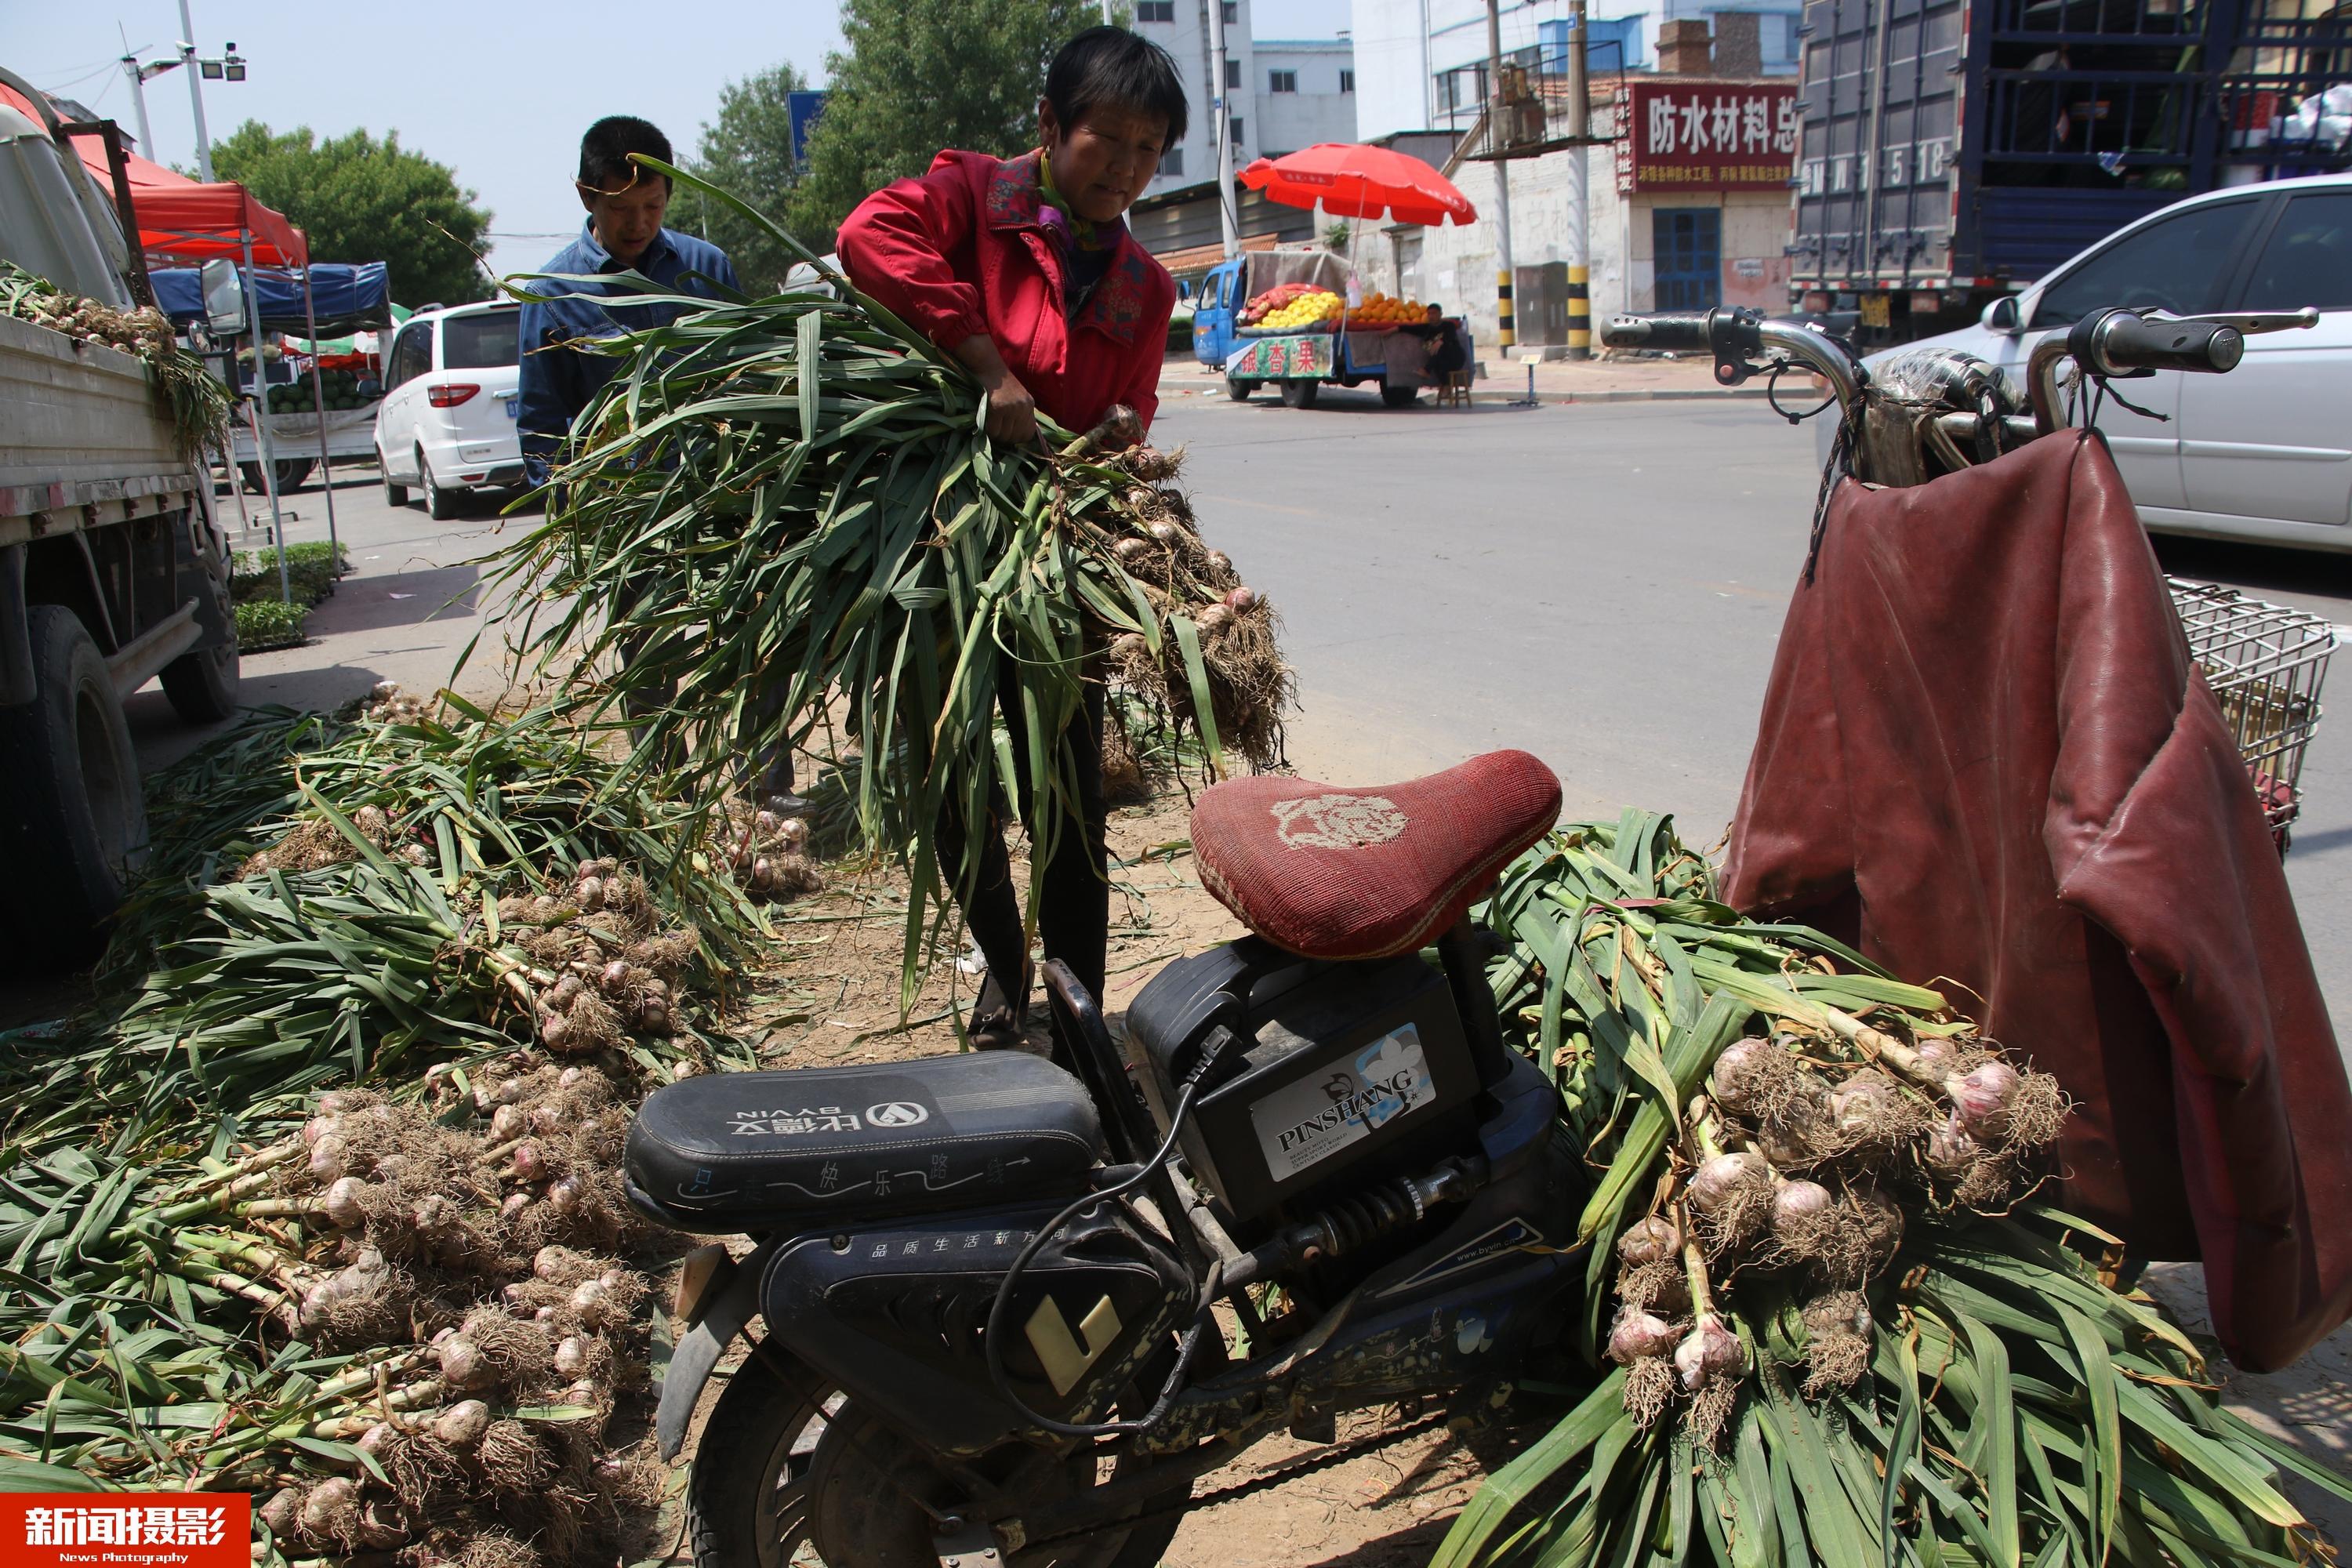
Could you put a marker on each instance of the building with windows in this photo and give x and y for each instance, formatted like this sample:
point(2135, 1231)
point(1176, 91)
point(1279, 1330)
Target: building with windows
point(1422, 64)
point(1686, 197)
point(1305, 93)
point(1283, 95)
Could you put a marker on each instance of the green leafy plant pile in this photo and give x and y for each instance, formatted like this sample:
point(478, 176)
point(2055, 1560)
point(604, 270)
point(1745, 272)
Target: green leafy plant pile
point(1837, 1323)
point(311, 568)
point(321, 1200)
point(265, 624)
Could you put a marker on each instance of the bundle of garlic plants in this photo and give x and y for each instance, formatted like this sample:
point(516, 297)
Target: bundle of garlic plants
point(1833, 1314)
point(786, 513)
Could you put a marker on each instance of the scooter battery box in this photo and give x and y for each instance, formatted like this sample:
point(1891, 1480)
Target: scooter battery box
point(1311, 1067)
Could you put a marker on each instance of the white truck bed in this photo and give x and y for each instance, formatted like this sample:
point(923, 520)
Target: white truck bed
point(83, 440)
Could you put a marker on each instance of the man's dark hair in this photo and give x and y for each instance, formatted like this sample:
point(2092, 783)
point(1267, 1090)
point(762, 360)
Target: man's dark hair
point(1111, 68)
point(604, 152)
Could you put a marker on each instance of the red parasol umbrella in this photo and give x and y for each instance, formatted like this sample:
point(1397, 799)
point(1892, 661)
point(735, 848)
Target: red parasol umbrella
point(1355, 181)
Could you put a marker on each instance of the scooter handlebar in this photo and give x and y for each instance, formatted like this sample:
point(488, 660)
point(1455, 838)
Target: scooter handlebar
point(2117, 342)
point(1681, 331)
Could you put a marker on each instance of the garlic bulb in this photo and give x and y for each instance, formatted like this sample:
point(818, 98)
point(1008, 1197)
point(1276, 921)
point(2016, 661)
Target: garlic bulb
point(1637, 1334)
point(1731, 1079)
point(1983, 1098)
point(462, 1365)
point(1652, 1240)
point(1951, 1150)
point(1710, 1350)
point(282, 1512)
point(328, 1157)
point(1724, 1177)
point(332, 1508)
point(462, 1425)
point(1801, 1201)
point(344, 1203)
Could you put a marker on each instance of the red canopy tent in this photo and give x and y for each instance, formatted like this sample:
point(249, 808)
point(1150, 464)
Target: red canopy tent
point(180, 219)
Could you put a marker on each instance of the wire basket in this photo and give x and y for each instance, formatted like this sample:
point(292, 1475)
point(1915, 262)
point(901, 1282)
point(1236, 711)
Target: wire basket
point(2266, 663)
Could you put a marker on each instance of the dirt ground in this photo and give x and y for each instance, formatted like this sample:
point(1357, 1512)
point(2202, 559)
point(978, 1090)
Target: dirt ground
point(834, 997)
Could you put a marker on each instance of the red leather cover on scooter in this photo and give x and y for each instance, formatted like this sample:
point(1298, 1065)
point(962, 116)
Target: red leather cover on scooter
point(1986, 757)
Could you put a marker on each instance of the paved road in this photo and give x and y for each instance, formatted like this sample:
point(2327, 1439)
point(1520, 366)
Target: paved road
point(403, 613)
point(1601, 585)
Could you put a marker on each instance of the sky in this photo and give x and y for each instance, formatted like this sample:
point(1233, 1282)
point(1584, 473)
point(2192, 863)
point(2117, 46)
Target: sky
point(498, 92)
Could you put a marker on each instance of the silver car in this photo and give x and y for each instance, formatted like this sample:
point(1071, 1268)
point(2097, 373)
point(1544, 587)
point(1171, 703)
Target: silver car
point(2265, 452)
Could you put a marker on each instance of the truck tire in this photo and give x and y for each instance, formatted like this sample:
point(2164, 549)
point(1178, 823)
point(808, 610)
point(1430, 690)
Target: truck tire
point(1300, 393)
point(440, 505)
point(1239, 390)
point(291, 472)
point(1399, 396)
point(71, 817)
point(202, 683)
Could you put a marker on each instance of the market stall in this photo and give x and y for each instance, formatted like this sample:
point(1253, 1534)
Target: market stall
point(1296, 316)
point(181, 220)
point(328, 400)
point(165, 217)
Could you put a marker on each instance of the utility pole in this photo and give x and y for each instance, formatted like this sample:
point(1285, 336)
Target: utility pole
point(1221, 122)
point(196, 98)
point(1505, 333)
point(137, 75)
point(1580, 152)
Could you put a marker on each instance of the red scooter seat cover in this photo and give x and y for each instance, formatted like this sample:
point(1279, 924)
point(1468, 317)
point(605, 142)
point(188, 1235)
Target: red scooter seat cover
point(1328, 871)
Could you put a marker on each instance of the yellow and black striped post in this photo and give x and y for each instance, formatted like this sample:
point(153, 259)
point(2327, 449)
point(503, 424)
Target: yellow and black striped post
point(1506, 333)
point(1580, 313)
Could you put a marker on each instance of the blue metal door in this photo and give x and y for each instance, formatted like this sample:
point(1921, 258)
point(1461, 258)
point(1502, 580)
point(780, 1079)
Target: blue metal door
point(1214, 308)
point(1687, 243)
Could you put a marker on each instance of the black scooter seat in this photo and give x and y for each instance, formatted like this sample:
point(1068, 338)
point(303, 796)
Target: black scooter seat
point(819, 1147)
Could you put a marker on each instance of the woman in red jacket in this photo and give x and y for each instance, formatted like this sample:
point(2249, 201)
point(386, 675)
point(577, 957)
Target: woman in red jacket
point(1024, 269)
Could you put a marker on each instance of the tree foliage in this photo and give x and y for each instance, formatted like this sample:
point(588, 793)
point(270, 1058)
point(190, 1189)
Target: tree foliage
point(747, 152)
point(360, 199)
point(919, 75)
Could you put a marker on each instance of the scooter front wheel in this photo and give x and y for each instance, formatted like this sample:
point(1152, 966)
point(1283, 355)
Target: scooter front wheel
point(787, 1477)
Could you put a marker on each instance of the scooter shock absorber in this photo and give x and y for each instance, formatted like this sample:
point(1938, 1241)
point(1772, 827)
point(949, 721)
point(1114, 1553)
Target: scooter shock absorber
point(1347, 1226)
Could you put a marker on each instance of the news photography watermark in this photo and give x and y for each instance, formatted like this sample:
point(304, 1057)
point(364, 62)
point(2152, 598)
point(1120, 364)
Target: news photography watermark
point(128, 1530)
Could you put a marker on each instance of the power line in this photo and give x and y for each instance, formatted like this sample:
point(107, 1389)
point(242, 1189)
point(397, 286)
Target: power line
point(107, 64)
point(112, 68)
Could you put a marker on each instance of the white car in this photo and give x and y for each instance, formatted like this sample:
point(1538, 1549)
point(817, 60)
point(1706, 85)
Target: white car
point(446, 423)
point(2263, 452)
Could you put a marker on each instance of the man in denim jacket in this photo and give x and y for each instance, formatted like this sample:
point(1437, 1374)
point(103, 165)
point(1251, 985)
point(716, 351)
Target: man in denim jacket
point(624, 234)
